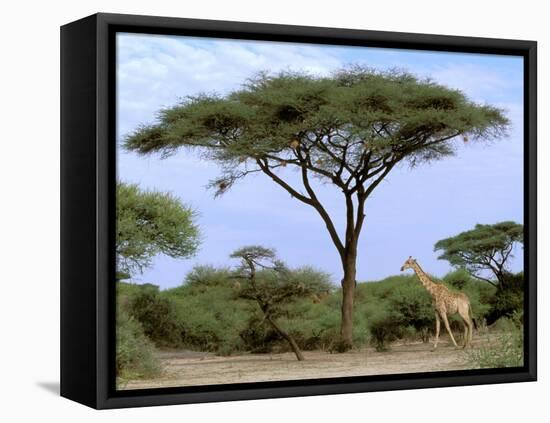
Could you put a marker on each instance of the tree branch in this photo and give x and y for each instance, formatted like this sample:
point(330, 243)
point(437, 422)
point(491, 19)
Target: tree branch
point(484, 279)
point(374, 184)
point(292, 191)
point(316, 204)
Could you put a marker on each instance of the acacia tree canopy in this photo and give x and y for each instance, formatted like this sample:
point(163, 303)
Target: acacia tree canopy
point(353, 123)
point(151, 223)
point(349, 129)
point(484, 248)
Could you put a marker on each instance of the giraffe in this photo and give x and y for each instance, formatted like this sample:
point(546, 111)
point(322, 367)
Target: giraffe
point(445, 303)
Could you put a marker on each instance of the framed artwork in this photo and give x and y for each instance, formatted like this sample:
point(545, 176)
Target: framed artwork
point(257, 211)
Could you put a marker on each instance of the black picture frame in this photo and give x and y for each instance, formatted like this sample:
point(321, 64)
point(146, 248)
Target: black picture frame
point(87, 209)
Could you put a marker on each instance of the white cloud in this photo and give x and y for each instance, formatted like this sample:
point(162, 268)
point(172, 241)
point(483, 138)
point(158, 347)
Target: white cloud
point(156, 71)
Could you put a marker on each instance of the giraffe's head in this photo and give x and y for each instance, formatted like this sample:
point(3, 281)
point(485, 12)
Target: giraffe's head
point(408, 263)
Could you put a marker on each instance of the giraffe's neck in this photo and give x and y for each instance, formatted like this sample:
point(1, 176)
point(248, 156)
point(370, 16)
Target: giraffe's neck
point(424, 279)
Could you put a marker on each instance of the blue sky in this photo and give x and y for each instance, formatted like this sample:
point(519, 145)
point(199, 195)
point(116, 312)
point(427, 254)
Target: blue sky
point(407, 213)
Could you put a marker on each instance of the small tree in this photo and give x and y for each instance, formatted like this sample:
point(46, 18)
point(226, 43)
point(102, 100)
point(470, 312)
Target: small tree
point(349, 130)
point(266, 280)
point(486, 248)
point(149, 223)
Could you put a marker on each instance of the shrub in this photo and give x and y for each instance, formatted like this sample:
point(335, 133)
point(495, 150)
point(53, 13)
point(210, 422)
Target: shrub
point(157, 316)
point(257, 337)
point(412, 307)
point(134, 351)
point(312, 325)
point(385, 327)
point(504, 351)
point(508, 298)
point(204, 276)
point(212, 320)
point(209, 314)
point(458, 279)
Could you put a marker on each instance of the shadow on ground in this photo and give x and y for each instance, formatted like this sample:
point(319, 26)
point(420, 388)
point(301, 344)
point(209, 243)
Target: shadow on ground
point(51, 387)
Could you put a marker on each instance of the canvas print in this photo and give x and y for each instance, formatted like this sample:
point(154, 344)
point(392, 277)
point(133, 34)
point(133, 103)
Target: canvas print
point(290, 211)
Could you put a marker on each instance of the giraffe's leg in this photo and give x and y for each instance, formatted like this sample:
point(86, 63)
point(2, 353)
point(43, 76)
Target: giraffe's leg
point(471, 331)
point(437, 327)
point(468, 324)
point(466, 333)
point(446, 323)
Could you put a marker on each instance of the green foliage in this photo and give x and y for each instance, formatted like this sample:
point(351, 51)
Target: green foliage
point(313, 325)
point(506, 349)
point(214, 314)
point(257, 337)
point(508, 299)
point(210, 316)
point(414, 306)
point(385, 327)
point(151, 223)
point(382, 112)
point(484, 248)
point(157, 315)
point(134, 351)
point(204, 276)
point(209, 313)
point(458, 278)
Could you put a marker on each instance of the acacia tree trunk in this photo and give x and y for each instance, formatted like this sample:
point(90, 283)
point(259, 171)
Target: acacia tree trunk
point(348, 292)
point(287, 337)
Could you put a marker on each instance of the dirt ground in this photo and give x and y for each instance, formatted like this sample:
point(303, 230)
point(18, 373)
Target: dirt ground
point(189, 368)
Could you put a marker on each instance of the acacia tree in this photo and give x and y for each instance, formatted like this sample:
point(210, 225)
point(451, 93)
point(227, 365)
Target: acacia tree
point(484, 248)
point(149, 223)
point(271, 284)
point(349, 129)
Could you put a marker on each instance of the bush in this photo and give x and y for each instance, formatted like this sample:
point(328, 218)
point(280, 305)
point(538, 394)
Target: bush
point(504, 351)
point(208, 312)
point(508, 298)
point(203, 276)
point(385, 327)
point(412, 307)
point(393, 308)
point(157, 316)
point(312, 325)
point(257, 337)
point(458, 279)
point(134, 351)
point(212, 320)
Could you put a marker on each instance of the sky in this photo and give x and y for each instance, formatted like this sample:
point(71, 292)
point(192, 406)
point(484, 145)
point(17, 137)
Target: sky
point(406, 214)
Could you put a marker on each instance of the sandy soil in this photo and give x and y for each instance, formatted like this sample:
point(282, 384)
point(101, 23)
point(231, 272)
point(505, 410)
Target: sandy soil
point(187, 368)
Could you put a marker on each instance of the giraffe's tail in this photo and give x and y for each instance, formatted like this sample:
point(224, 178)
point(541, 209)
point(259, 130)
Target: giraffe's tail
point(472, 316)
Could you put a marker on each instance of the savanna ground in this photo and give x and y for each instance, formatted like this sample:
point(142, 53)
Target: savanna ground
point(189, 368)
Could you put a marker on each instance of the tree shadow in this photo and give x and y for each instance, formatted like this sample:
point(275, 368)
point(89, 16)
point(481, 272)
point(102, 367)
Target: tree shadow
point(51, 387)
